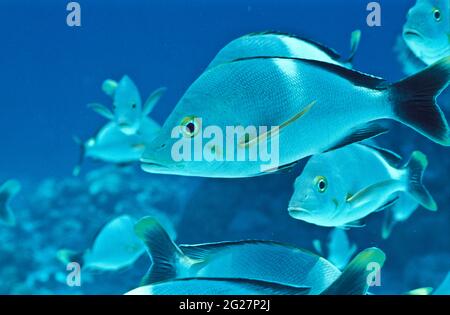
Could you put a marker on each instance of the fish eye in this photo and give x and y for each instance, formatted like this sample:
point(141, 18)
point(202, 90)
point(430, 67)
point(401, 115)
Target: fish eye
point(133, 106)
point(321, 183)
point(437, 15)
point(191, 126)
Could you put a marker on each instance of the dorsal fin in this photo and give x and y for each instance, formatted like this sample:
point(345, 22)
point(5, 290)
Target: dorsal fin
point(391, 157)
point(329, 51)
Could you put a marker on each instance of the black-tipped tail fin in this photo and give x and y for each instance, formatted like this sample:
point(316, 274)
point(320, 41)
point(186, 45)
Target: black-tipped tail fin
point(414, 101)
point(355, 279)
point(163, 251)
point(415, 167)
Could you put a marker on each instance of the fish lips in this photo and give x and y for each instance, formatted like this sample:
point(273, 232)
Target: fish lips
point(298, 212)
point(409, 33)
point(151, 166)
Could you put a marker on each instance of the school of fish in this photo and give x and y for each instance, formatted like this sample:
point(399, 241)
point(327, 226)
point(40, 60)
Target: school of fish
point(323, 109)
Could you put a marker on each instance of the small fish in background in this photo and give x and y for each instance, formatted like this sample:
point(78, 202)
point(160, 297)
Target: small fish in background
point(316, 105)
point(7, 191)
point(340, 250)
point(427, 30)
point(115, 247)
point(278, 44)
point(257, 260)
point(124, 138)
point(218, 286)
point(112, 146)
point(444, 287)
point(341, 187)
point(128, 112)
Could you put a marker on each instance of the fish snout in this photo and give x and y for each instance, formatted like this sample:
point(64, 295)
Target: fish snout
point(127, 128)
point(298, 210)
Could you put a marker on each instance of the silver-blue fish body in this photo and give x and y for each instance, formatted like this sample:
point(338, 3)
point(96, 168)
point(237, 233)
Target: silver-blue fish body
point(267, 261)
point(346, 172)
point(268, 92)
point(217, 286)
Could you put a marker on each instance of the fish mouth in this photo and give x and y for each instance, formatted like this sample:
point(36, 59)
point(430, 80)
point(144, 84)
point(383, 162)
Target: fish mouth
point(296, 211)
point(148, 163)
point(412, 33)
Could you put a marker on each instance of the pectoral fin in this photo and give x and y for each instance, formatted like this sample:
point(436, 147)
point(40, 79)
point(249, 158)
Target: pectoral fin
point(246, 142)
point(102, 110)
point(152, 100)
point(366, 195)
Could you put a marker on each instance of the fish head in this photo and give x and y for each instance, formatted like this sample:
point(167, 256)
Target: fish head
point(317, 193)
point(427, 29)
point(127, 106)
point(191, 142)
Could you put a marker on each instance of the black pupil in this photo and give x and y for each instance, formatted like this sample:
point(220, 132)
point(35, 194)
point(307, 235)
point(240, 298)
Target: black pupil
point(134, 105)
point(437, 15)
point(322, 184)
point(190, 127)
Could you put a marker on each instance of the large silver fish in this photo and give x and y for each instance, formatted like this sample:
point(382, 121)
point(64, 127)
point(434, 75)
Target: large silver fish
point(343, 186)
point(282, 45)
point(316, 106)
point(259, 260)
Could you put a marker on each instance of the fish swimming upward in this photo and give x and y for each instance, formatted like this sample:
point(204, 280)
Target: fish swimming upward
point(115, 247)
point(340, 187)
point(7, 191)
point(218, 286)
point(340, 250)
point(257, 260)
point(282, 45)
point(128, 112)
point(316, 107)
point(427, 30)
